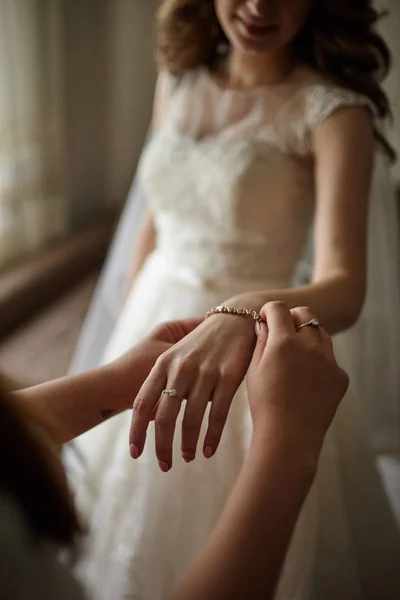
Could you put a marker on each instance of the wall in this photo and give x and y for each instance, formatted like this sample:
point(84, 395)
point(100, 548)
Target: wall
point(109, 80)
point(85, 103)
point(131, 87)
point(390, 28)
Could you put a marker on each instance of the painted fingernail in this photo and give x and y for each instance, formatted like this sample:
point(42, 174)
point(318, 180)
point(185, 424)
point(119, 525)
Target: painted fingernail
point(258, 328)
point(134, 451)
point(164, 466)
point(208, 452)
point(188, 458)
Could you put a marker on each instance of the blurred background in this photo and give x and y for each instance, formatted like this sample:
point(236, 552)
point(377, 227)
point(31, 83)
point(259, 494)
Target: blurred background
point(76, 86)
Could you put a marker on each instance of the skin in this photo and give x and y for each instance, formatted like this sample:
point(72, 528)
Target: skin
point(266, 56)
point(79, 403)
point(295, 387)
point(200, 368)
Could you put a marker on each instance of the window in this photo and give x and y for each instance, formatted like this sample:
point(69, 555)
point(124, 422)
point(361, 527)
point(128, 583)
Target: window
point(33, 208)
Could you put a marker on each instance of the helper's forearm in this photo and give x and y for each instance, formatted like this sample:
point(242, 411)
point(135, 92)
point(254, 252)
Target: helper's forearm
point(336, 301)
point(244, 555)
point(77, 403)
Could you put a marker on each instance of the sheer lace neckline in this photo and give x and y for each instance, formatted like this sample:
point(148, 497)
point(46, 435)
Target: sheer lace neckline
point(284, 114)
point(299, 74)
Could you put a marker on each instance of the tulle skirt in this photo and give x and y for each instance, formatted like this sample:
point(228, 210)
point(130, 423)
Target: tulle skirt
point(147, 526)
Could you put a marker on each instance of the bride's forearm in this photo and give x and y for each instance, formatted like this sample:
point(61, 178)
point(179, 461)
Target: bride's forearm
point(337, 301)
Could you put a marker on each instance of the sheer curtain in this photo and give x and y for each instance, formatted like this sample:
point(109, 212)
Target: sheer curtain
point(132, 76)
point(33, 208)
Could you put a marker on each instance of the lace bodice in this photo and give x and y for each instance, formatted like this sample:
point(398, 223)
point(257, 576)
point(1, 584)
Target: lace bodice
point(229, 176)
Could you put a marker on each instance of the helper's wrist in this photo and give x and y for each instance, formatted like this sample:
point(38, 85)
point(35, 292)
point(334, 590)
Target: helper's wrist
point(120, 384)
point(288, 446)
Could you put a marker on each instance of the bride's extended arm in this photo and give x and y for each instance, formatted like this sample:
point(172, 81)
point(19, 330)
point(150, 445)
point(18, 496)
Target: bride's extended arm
point(343, 148)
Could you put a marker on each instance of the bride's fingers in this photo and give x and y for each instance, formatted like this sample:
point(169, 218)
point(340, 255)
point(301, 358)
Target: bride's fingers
point(221, 403)
point(143, 409)
point(198, 399)
point(154, 412)
point(165, 423)
point(169, 408)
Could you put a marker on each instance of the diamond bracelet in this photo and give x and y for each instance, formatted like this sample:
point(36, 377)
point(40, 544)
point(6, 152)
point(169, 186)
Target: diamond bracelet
point(232, 310)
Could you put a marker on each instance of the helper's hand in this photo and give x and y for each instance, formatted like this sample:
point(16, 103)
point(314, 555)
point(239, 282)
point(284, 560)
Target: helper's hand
point(294, 382)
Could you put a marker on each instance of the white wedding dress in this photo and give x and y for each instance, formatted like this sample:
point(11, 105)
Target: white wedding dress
point(231, 189)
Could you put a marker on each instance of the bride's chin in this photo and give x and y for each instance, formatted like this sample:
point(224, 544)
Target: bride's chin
point(254, 46)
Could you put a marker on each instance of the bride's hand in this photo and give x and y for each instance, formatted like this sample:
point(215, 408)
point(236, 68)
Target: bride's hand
point(208, 365)
point(131, 369)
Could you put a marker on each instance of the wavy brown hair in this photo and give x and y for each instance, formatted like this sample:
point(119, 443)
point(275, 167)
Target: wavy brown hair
point(339, 40)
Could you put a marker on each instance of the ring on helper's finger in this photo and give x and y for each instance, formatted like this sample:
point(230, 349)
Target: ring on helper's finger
point(314, 324)
point(172, 393)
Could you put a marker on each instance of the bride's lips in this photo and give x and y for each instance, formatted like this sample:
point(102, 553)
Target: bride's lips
point(255, 29)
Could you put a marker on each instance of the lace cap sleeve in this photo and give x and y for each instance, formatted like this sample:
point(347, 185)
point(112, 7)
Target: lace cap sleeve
point(166, 83)
point(324, 100)
point(165, 87)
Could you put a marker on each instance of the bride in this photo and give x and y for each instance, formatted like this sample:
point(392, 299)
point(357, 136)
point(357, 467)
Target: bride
point(266, 119)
